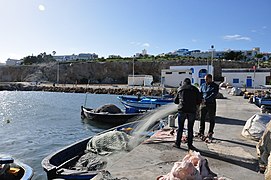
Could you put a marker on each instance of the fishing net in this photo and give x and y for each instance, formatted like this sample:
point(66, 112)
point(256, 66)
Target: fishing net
point(110, 108)
point(100, 147)
point(255, 126)
point(109, 142)
point(193, 166)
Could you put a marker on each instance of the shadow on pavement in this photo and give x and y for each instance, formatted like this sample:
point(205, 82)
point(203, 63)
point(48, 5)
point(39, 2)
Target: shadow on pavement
point(251, 164)
point(229, 121)
point(236, 142)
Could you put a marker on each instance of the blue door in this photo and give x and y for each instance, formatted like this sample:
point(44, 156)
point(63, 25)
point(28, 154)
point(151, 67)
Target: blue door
point(249, 82)
point(202, 81)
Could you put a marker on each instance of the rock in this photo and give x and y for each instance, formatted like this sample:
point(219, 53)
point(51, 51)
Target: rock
point(264, 147)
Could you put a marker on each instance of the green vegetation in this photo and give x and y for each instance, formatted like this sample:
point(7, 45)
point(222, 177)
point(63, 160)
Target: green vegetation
point(233, 55)
point(41, 58)
point(230, 56)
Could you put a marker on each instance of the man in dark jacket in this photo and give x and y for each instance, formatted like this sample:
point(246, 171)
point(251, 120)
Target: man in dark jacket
point(188, 97)
point(209, 91)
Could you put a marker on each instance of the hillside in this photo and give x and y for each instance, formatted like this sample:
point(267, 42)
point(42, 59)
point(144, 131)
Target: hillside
point(102, 72)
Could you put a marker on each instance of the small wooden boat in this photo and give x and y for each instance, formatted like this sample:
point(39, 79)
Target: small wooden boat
point(144, 103)
point(59, 164)
point(105, 117)
point(11, 169)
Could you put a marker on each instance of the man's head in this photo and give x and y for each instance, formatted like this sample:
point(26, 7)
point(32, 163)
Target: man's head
point(208, 78)
point(187, 81)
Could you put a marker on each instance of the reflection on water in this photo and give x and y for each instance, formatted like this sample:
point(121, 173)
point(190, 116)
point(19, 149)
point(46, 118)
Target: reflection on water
point(35, 124)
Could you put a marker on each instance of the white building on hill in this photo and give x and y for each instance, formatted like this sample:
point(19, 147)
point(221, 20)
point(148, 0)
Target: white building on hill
point(13, 62)
point(247, 77)
point(81, 56)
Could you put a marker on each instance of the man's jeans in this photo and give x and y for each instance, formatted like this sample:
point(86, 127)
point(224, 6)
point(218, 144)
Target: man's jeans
point(191, 119)
point(211, 110)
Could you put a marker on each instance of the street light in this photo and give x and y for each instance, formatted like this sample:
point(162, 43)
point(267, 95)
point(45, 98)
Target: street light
point(212, 47)
point(57, 75)
point(133, 70)
point(212, 56)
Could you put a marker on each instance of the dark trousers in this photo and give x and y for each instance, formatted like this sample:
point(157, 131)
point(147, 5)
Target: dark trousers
point(211, 110)
point(191, 119)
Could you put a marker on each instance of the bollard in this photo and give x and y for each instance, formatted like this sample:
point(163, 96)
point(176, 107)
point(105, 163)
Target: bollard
point(171, 121)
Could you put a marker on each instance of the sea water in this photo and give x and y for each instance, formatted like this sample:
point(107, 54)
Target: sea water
point(36, 124)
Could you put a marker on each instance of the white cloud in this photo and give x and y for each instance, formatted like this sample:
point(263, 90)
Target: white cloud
point(140, 44)
point(41, 7)
point(236, 37)
point(253, 30)
point(194, 40)
point(146, 45)
point(136, 43)
point(264, 27)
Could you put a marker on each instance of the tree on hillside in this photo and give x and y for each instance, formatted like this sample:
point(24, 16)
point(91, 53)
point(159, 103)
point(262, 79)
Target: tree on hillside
point(41, 58)
point(259, 56)
point(234, 55)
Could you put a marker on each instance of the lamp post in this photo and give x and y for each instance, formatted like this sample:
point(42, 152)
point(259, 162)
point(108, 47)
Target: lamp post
point(57, 74)
point(212, 47)
point(133, 70)
point(212, 56)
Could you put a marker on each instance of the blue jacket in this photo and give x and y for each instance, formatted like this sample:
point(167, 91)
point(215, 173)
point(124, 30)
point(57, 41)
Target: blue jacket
point(209, 92)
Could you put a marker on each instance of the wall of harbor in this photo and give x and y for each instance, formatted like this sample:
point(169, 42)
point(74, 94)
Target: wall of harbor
point(105, 89)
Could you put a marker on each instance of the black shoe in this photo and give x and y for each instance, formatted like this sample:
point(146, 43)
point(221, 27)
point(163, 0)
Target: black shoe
point(199, 135)
point(193, 148)
point(177, 146)
point(210, 136)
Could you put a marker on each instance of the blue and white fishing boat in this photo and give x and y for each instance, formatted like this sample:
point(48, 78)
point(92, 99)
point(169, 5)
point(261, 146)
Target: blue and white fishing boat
point(259, 101)
point(61, 163)
point(144, 103)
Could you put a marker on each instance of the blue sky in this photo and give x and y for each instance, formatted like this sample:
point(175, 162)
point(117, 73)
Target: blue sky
point(125, 27)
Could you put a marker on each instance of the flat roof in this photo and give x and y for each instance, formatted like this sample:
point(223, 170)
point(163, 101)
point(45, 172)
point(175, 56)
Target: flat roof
point(246, 70)
point(176, 70)
point(140, 75)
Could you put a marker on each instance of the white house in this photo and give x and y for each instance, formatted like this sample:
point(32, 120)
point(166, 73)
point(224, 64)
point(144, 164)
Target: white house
point(197, 72)
point(13, 62)
point(246, 77)
point(65, 57)
point(173, 77)
point(140, 80)
point(81, 56)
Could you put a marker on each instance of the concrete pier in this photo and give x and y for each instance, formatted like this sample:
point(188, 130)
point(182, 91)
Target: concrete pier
point(231, 155)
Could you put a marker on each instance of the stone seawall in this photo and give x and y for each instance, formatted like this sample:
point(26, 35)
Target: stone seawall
point(102, 72)
point(123, 90)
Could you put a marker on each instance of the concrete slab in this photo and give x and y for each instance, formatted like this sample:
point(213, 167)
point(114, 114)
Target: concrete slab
point(231, 155)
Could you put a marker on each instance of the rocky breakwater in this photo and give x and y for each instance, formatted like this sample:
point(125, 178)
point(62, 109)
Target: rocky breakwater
point(123, 90)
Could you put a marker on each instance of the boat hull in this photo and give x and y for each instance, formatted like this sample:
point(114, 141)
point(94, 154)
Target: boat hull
point(144, 103)
point(25, 172)
point(56, 165)
point(108, 118)
point(262, 101)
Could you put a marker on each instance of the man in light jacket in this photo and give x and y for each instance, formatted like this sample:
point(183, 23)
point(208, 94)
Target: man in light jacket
point(209, 91)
